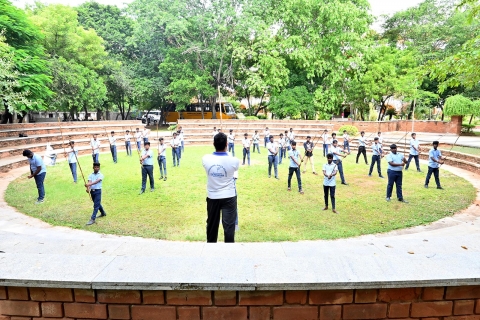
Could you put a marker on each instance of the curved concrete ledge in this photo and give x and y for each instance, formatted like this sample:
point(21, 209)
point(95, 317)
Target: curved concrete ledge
point(35, 254)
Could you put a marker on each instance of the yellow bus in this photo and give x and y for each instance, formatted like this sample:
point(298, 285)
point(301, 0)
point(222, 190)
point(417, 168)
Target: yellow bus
point(194, 111)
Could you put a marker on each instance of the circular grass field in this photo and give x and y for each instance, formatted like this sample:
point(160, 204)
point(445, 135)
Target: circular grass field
point(176, 210)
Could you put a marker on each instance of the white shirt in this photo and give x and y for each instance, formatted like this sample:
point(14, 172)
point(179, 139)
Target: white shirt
point(335, 151)
point(272, 146)
point(214, 133)
point(112, 140)
point(414, 143)
point(376, 149)
point(138, 136)
point(380, 140)
point(330, 169)
point(345, 137)
point(145, 133)
point(180, 135)
point(266, 133)
point(71, 155)
point(175, 142)
point(281, 143)
point(95, 144)
point(161, 149)
point(231, 138)
point(361, 141)
point(256, 138)
point(220, 169)
point(291, 136)
point(246, 143)
point(326, 139)
point(128, 137)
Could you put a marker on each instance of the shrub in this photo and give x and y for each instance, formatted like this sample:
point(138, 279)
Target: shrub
point(172, 127)
point(261, 116)
point(351, 130)
point(251, 118)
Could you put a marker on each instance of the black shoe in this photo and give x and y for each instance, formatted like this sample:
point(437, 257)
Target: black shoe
point(141, 191)
point(426, 186)
point(152, 189)
point(344, 183)
point(419, 170)
point(369, 174)
point(165, 179)
point(277, 178)
point(102, 215)
point(380, 176)
point(161, 178)
point(403, 200)
point(440, 188)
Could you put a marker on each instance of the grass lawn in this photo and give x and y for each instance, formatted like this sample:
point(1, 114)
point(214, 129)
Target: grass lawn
point(176, 210)
point(467, 150)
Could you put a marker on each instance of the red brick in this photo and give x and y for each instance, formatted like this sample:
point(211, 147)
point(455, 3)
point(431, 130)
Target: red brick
point(462, 318)
point(399, 294)
point(365, 311)
point(435, 293)
point(225, 313)
point(260, 298)
point(330, 312)
point(189, 298)
point(188, 313)
point(154, 312)
point(463, 307)
point(17, 293)
point(259, 313)
point(118, 311)
point(399, 310)
point(85, 310)
point(51, 294)
point(477, 307)
point(432, 309)
point(330, 297)
point(52, 309)
point(365, 296)
point(3, 293)
point(296, 297)
point(20, 318)
point(153, 297)
point(84, 295)
point(19, 308)
point(119, 296)
point(225, 298)
point(295, 312)
point(465, 292)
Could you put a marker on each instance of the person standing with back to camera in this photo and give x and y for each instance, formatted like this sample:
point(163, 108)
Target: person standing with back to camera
point(222, 171)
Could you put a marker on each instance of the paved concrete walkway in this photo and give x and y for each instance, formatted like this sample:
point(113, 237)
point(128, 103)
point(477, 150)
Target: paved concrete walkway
point(33, 253)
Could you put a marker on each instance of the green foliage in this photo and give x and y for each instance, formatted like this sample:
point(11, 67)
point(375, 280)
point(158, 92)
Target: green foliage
point(351, 130)
point(261, 116)
point(251, 118)
point(459, 106)
point(172, 127)
point(294, 103)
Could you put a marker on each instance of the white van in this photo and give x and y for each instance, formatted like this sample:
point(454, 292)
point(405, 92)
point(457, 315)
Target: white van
point(153, 115)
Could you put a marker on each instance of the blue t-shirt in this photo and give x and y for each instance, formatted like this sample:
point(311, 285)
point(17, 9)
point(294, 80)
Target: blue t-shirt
point(396, 158)
point(377, 149)
point(94, 177)
point(434, 154)
point(148, 161)
point(36, 162)
point(296, 156)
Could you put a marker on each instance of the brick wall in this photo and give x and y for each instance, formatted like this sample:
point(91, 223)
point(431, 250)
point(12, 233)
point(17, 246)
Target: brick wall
point(441, 303)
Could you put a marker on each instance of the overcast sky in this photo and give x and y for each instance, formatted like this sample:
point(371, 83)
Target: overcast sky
point(379, 7)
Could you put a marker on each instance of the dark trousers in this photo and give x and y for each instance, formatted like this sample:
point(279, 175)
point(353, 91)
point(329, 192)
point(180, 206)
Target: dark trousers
point(291, 170)
point(39, 178)
point(436, 174)
point(147, 170)
point(282, 154)
point(362, 150)
point(95, 157)
point(376, 159)
point(272, 160)
point(228, 206)
point(417, 163)
point(325, 150)
point(113, 150)
point(266, 139)
point(231, 148)
point(145, 140)
point(97, 202)
point(139, 147)
point(162, 164)
point(246, 153)
point(394, 177)
point(340, 169)
point(326, 189)
point(128, 147)
point(73, 169)
point(346, 145)
point(257, 146)
point(176, 156)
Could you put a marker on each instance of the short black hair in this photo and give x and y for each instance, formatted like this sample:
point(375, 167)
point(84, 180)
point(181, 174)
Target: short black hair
point(72, 142)
point(27, 152)
point(160, 139)
point(413, 134)
point(330, 156)
point(112, 132)
point(362, 132)
point(435, 142)
point(96, 164)
point(148, 142)
point(294, 143)
point(375, 139)
point(128, 131)
point(220, 141)
point(308, 137)
point(344, 130)
point(281, 134)
point(335, 141)
point(334, 134)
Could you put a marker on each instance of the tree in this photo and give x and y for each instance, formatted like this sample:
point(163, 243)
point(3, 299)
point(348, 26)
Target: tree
point(294, 102)
point(27, 53)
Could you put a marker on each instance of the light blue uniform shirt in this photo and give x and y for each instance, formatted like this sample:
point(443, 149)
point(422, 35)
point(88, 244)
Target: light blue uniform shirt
point(376, 149)
point(149, 160)
point(335, 151)
point(95, 144)
point(36, 162)
point(71, 156)
point(296, 156)
point(395, 158)
point(329, 169)
point(361, 141)
point(94, 177)
point(434, 154)
point(414, 143)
